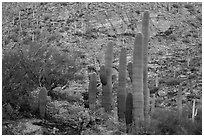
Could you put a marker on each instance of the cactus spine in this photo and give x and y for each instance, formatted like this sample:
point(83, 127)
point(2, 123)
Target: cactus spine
point(92, 91)
point(121, 95)
point(145, 32)
point(128, 112)
point(138, 98)
point(42, 101)
point(107, 89)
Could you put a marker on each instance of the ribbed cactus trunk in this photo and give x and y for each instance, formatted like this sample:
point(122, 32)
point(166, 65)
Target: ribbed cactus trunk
point(138, 97)
point(92, 91)
point(42, 102)
point(128, 112)
point(121, 94)
point(107, 89)
point(145, 32)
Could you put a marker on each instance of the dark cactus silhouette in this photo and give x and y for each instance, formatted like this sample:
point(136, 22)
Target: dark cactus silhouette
point(128, 112)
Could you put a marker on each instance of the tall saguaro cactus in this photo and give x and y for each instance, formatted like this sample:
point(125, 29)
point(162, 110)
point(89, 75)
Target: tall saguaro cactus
point(42, 101)
point(138, 97)
point(107, 90)
point(145, 32)
point(121, 94)
point(92, 91)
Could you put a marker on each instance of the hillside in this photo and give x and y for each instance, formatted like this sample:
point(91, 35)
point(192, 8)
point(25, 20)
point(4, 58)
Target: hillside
point(59, 45)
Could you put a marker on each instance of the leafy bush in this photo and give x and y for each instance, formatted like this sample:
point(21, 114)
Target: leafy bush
point(26, 67)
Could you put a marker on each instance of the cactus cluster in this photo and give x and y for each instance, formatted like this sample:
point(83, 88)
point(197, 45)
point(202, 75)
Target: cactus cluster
point(135, 106)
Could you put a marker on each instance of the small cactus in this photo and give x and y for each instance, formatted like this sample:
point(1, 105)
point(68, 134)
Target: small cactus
point(121, 94)
point(92, 91)
point(42, 101)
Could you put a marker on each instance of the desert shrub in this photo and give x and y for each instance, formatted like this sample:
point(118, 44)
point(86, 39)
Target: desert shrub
point(26, 67)
point(166, 122)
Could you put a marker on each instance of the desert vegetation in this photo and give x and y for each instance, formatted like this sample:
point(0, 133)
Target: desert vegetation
point(101, 68)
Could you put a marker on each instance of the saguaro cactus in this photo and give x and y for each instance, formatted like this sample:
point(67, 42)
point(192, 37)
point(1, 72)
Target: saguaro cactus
point(42, 101)
point(138, 97)
point(145, 32)
point(121, 95)
point(128, 112)
point(92, 91)
point(107, 90)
